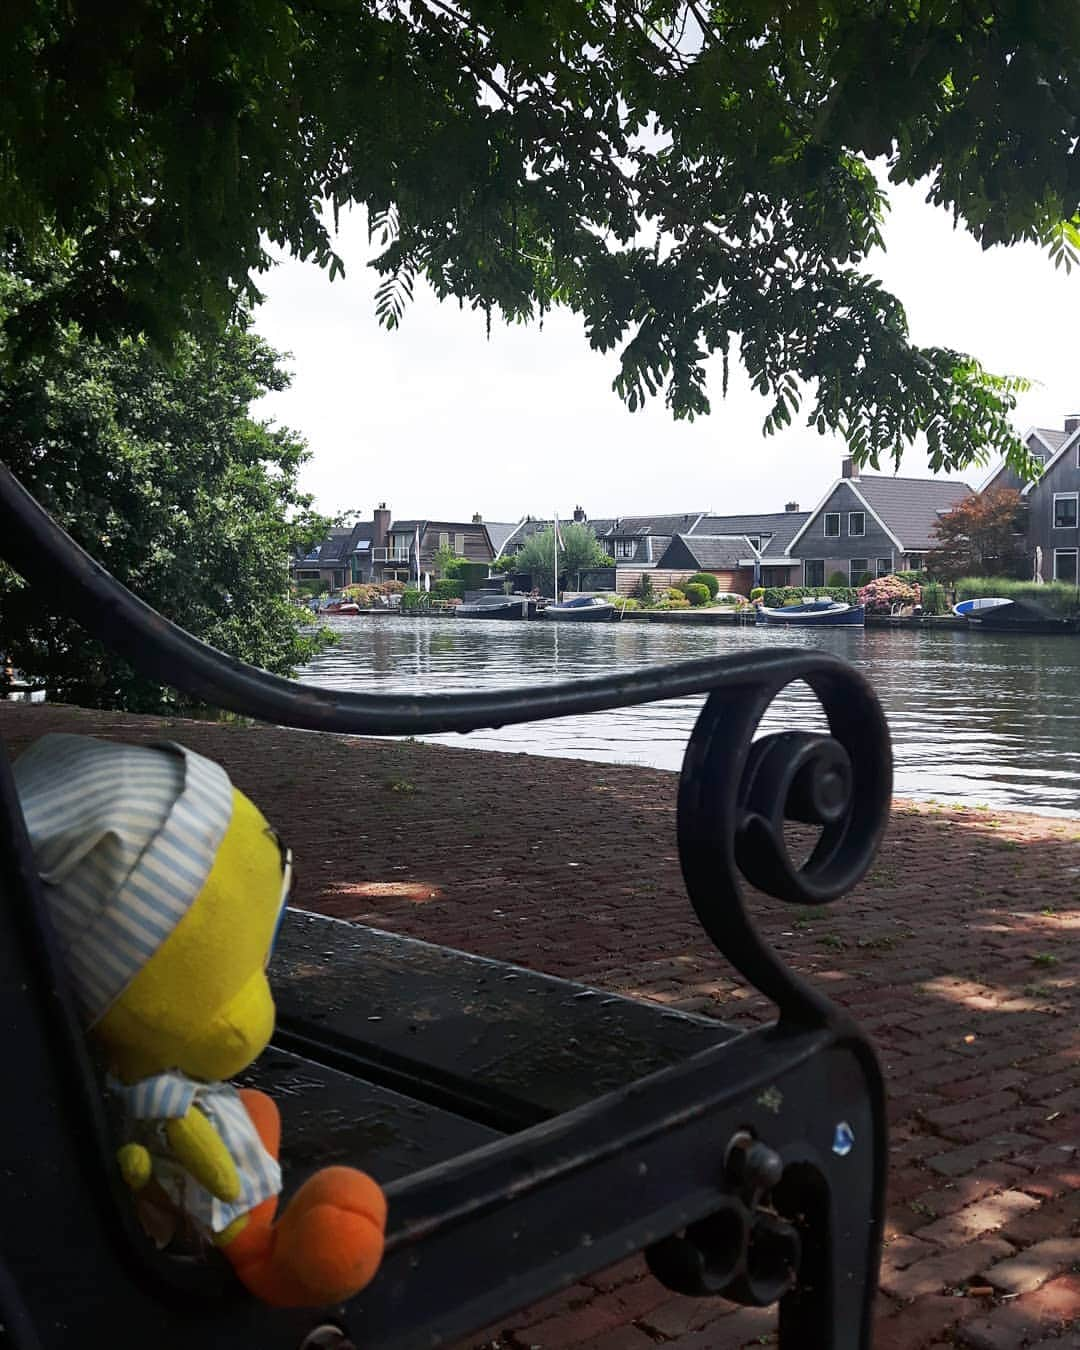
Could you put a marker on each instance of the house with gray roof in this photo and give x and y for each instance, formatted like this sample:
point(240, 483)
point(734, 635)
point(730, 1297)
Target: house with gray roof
point(871, 524)
point(1052, 500)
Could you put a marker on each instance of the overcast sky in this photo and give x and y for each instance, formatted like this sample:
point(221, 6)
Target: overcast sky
point(439, 421)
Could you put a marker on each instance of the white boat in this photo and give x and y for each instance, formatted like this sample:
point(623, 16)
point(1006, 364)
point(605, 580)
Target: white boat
point(582, 609)
point(813, 613)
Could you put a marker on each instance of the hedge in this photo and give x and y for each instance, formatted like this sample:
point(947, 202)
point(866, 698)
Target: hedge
point(1060, 596)
point(448, 588)
point(696, 593)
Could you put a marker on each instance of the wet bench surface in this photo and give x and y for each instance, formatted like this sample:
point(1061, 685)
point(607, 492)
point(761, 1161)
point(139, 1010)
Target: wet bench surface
point(396, 1054)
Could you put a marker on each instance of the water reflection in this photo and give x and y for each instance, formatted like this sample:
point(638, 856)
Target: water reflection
point(974, 718)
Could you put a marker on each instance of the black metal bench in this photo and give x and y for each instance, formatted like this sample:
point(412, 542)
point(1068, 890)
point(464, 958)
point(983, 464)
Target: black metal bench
point(528, 1131)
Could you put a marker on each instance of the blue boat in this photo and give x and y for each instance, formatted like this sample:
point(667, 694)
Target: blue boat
point(813, 614)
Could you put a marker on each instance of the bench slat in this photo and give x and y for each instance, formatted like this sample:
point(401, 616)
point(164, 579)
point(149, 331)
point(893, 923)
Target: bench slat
point(496, 1043)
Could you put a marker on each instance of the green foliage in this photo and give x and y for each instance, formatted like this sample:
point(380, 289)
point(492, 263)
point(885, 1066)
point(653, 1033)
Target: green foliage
point(309, 589)
point(625, 603)
point(472, 574)
point(580, 550)
point(412, 599)
point(934, 599)
point(446, 562)
point(507, 563)
point(672, 603)
point(758, 593)
point(447, 588)
point(1059, 596)
point(837, 578)
point(915, 578)
point(204, 534)
point(708, 580)
point(775, 597)
point(696, 594)
point(643, 591)
point(521, 158)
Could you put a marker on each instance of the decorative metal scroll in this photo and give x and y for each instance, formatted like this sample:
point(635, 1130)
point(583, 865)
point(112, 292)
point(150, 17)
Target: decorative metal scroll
point(735, 795)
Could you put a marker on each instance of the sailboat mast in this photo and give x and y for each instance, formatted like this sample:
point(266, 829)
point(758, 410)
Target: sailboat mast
point(555, 551)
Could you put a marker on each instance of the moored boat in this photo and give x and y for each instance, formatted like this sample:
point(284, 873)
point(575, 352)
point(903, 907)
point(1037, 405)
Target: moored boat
point(1000, 615)
point(340, 607)
point(813, 614)
point(496, 607)
point(582, 609)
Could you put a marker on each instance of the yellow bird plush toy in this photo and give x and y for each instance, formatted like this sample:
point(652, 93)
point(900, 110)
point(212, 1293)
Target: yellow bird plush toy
point(166, 887)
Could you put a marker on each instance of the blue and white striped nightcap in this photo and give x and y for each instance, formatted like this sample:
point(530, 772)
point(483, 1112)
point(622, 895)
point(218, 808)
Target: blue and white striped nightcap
point(124, 837)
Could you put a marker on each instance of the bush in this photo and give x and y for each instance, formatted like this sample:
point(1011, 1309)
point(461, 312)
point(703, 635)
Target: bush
point(393, 587)
point(673, 593)
point(880, 595)
point(934, 600)
point(706, 579)
point(411, 598)
point(695, 593)
point(914, 578)
point(837, 579)
point(673, 604)
point(643, 591)
point(448, 588)
point(758, 593)
point(1059, 596)
point(472, 574)
point(625, 603)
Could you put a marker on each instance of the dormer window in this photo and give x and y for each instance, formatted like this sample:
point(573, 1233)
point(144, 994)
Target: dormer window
point(625, 548)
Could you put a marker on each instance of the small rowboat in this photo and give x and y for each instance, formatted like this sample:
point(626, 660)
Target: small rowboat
point(813, 614)
point(999, 615)
point(582, 609)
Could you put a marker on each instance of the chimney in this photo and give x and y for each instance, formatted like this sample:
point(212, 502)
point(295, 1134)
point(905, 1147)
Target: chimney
point(579, 515)
point(382, 526)
point(849, 469)
point(1071, 423)
point(791, 506)
point(477, 518)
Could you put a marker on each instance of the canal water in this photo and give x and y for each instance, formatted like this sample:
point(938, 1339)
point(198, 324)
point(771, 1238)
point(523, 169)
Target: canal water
point(975, 719)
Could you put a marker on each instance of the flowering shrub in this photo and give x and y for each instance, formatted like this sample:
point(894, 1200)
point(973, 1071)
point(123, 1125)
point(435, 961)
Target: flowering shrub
point(880, 595)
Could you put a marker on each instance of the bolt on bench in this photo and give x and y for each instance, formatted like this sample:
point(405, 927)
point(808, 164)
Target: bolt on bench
point(528, 1131)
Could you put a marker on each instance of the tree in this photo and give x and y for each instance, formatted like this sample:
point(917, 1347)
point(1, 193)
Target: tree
point(163, 475)
point(691, 178)
point(578, 551)
point(982, 536)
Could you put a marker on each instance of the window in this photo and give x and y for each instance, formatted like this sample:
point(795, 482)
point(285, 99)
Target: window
point(858, 567)
point(625, 548)
point(813, 570)
point(1064, 510)
point(1065, 565)
point(459, 544)
point(915, 562)
point(884, 567)
point(856, 523)
point(832, 524)
point(754, 540)
point(444, 542)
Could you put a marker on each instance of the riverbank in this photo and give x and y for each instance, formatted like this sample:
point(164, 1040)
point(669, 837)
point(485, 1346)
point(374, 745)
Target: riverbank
point(955, 953)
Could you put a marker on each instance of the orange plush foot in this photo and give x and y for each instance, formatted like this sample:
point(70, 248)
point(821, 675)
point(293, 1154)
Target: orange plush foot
point(324, 1248)
point(330, 1238)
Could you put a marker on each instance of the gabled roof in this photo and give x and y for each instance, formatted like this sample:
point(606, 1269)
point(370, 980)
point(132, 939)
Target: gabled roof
point(905, 508)
point(1067, 444)
point(909, 508)
point(400, 526)
point(670, 525)
point(338, 544)
point(499, 532)
point(716, 550)
point(1043, 443)
point(781, 525)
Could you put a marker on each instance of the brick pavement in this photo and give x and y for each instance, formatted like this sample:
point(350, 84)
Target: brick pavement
point(959, 953)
